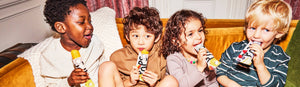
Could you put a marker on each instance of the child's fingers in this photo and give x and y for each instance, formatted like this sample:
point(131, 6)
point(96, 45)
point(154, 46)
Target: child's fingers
point(203, 50)
point(134, 70)
point(256, 49)
point(134, 75)
point(258, 54)
point(201, 54)
point(79, 76)
point(150, 77)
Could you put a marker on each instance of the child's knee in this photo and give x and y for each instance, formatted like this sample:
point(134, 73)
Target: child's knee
point(170, 81)
point(107, 66)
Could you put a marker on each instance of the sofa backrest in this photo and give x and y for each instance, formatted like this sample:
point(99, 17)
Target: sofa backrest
point(221, 33)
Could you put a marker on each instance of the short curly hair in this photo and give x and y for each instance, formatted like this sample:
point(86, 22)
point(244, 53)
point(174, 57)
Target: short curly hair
point(57, 10)
point(149, 17)
point(174, 27)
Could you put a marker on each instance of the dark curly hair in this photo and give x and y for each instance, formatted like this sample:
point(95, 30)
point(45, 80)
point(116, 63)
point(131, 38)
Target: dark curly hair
point(149, 17)
point(57, 10)
point(174, 27)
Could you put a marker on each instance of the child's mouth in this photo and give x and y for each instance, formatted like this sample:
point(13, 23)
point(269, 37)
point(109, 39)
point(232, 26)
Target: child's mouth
point(141, 49)
point(88, 36)
point(197, 47)
point(198, 44)
point(257, 42)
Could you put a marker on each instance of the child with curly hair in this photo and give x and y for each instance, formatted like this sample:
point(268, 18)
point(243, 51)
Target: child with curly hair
point(184, 31)
point(142, 29)
point(51, 59)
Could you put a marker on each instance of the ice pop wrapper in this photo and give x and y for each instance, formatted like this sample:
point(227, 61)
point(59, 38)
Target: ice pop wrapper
point(142, 63)
point(210, 60)
point(77, 61)
point(246, 56)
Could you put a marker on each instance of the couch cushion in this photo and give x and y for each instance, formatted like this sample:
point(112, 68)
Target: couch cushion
point(105, 28)
point(11, 53)
point(17, 74)
point(293, 50)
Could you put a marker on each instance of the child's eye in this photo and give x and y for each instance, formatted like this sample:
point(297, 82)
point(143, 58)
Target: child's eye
point(190, 34)
point(266, 30)
point(135, 36)
point(252, 28)
point(200, 30)
point(148, 36)
point(80, 22)
point(90, 21)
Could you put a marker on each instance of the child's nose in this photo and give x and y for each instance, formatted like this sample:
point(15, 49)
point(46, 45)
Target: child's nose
point(89, 26)
point(141, 41)
point(198, 36)
point(257, 34)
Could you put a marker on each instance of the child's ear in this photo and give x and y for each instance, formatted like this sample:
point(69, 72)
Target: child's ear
point(279, 34)
point(157, 39)
point(60, 27)
point(127, 38)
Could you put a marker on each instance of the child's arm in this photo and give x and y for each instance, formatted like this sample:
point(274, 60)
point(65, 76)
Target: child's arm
point(225, 81)
point(222, 69)
point(258, 62)
point(185, 79)
point(263, 74)
point(275, 77)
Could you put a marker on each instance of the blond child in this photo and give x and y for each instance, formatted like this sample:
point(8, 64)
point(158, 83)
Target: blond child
point(142, 29)
point(266, 22)
point(184, 31)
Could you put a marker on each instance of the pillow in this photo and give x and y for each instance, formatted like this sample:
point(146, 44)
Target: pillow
point(293, 50)
point(105, 28)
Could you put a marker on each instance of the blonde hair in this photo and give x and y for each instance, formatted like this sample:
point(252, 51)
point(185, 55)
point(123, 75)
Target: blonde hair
point(279, 10)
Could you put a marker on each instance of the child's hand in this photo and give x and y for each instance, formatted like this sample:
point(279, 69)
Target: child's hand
point(77, 76)
point(134, 75)
point(258, 59)
point(201, 56)
point(150, 77)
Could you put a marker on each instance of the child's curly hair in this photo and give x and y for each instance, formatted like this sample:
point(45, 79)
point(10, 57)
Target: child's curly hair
point(174, 28)
point(149, 17)
point(57, 10)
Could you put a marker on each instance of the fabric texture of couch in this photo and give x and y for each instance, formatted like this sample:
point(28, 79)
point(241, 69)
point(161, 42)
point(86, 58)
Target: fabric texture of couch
point(293, 50)
point(10, 54)
point(221, 33)
point(106, 29)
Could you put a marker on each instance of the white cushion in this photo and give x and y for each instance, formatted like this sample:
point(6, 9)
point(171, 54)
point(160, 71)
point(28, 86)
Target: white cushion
point(105, 28)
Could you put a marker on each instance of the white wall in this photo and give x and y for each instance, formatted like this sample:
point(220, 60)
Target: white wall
point(23, 26)
point(212, 9)
point(25, 22)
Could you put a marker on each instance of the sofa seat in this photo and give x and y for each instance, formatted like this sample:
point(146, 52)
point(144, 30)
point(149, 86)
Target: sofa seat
point(221, 33)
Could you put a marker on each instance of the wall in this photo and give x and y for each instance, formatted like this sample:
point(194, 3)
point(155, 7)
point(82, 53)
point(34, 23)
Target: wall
point(212, 9)
point(24, 24)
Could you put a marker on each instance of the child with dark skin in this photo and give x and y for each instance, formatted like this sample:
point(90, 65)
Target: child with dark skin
point(51, 59)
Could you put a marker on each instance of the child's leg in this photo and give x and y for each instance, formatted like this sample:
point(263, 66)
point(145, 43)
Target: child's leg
point(109, 76)
point(168, 81)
